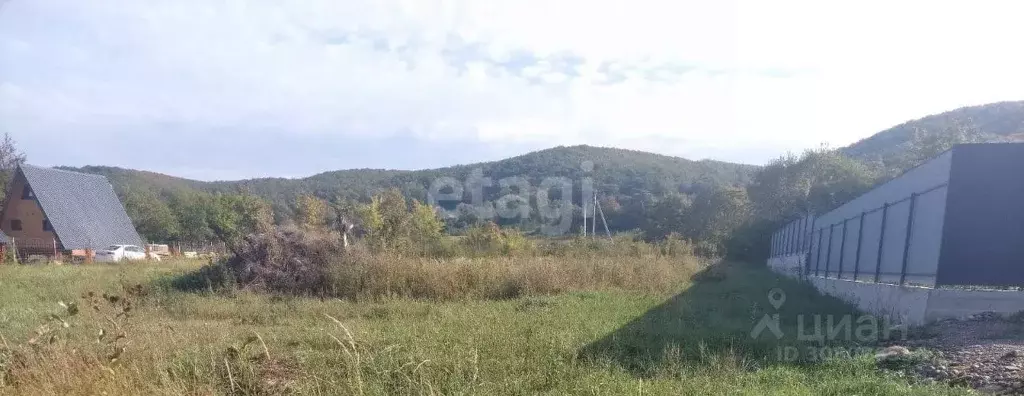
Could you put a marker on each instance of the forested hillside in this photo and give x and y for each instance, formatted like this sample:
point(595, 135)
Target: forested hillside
point(624, 178)
point(720, 205)
point(995, 122)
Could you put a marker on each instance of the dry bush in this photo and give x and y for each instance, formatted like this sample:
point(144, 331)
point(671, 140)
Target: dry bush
point(285, 259)
point(490, 240)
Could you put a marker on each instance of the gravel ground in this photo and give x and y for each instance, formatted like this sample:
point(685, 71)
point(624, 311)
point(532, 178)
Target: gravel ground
point(985, 352)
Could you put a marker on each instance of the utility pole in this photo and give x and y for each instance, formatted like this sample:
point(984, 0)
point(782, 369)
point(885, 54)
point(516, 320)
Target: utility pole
point(584, 218)
point(593, 223)
point(604, 221)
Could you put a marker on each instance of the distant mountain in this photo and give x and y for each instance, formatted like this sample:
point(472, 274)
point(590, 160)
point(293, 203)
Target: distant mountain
point(622, 174)
point(615, 172)
point(995, 122)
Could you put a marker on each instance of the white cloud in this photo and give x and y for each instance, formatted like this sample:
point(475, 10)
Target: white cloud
point(737, 80)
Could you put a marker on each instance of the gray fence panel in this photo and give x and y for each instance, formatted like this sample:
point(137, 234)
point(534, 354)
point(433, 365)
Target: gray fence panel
point(869, 248)
point(782, 241)
point(808, 226)
point(798, 241)
point(818, 252)
point(895, 236)
point(801, 241)
point(787, 240)
point(833, 258)
point(793, 234)
point(850, 251)
point(926, 238)
point(930, 174)
point(774, 250)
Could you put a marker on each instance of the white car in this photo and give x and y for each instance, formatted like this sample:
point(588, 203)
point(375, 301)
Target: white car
point(115, 253)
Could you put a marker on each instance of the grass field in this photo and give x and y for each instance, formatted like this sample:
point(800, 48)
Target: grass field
point(695, 340)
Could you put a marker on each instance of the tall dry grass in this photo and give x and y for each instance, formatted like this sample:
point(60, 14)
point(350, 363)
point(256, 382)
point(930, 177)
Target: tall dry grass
point(363, 276)
point(493, 265)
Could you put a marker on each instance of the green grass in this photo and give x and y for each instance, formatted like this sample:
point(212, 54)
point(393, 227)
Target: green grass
point(608, 341)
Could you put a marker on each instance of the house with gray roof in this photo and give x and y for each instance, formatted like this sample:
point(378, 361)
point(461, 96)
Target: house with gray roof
point(51, 210)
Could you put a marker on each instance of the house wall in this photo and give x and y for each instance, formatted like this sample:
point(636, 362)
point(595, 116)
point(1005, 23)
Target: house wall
point(31, 216)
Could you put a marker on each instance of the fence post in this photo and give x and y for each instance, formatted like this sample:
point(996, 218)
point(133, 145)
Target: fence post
point(842, 250)
point(906, 241)
point(810, 246)
point(778, 244)
point(796, 234)
point(828, 257)
point(771, 245)
point(775, 243)
point(817, 261)
point(792, 237)
point(785, 239)
point(797, 229)
point(803, 234)
point(860, 243)
point(808, 231)
point(782, 245)
point(881, 243)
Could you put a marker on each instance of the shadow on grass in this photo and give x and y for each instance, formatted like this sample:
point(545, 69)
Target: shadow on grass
point(716, 317)
point(208, 278)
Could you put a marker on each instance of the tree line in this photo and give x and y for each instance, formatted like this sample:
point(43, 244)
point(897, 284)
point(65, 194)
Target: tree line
point(725, 210)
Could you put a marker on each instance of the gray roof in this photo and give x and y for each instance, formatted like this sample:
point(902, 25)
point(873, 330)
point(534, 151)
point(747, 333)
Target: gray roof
point(82, 208)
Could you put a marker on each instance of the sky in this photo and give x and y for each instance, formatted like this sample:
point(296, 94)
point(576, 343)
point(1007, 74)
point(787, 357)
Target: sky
point(228, 89)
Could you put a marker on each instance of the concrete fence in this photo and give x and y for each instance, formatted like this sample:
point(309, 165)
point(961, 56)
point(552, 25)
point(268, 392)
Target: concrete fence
point(895, 243)
point(906, 304)
point(938, 241)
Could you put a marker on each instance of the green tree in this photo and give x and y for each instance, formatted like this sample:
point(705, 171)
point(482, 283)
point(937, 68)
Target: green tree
point(790, 187)
point(666, 216)
point(153, 218)
point(10, 159)
point(384, 220)
point(389, 224)
point(233, 216)
point(425, 227)
point(466, 217)
point(715, 214)
point(816, 182)
point(192, 210)
point(311, 212)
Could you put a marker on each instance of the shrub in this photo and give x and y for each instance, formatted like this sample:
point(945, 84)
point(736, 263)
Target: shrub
point(285, 259)
point(490, 240)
